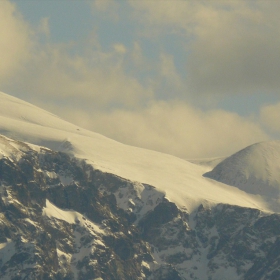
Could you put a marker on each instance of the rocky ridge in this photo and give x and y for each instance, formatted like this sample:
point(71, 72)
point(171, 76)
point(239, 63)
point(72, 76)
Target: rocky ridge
point(63, 219)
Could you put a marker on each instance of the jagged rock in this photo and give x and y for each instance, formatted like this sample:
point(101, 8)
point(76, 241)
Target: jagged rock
point(62, 219)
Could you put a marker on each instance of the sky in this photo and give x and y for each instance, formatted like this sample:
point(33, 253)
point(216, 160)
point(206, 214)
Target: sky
point(194, 79)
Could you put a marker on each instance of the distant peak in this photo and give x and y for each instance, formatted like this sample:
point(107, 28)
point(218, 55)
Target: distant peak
point(255, 169)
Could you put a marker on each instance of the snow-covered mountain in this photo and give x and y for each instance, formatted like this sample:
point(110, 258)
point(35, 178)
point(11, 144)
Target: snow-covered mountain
point(178, 179)
point(77, 205)
point(255, 169)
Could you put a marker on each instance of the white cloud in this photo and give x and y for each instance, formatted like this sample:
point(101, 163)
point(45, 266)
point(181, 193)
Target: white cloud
point(15, 43)
point(89, 87)
point(174, 128)
point(51, 71)
point(94, 77)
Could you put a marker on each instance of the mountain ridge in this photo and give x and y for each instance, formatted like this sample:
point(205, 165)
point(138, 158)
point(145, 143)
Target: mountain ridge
point(61, 219)
point(175, 177)
point(93, 208)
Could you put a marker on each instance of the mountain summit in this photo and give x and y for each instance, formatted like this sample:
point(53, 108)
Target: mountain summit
point(75, 205)
point(255, 169)
point(181, 181)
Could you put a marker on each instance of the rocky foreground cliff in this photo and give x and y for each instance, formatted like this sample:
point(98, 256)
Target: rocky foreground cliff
point(62, 219)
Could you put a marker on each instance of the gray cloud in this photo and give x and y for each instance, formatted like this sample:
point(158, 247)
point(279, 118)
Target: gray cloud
point(270, 116)
point(95, 77)
point(234, 44)
point(236, 51)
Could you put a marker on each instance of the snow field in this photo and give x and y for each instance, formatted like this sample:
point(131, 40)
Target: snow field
point(181, 181)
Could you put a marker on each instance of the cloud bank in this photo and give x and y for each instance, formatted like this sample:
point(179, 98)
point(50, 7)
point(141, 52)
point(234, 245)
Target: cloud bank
point(175, 128)
point(15, 40)
point(233, 45)
point(126, 93)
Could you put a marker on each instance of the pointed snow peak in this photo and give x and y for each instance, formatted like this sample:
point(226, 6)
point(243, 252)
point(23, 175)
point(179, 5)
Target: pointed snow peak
point(255, 169)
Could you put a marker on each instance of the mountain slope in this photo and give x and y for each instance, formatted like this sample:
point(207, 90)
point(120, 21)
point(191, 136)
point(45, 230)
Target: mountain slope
point(61, 219)
point(93, 208)
point(181, 181)
point(255, 169)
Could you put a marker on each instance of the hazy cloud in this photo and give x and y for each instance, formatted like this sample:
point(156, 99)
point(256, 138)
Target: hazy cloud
point(233, 45)
point(94, 77)
point(235, 51)
point(116, 90)
point(168, 71)
point(44, 27)
point(102, 5)
point(270, 116)
point(15, 43)
point(109, 7)
point(120, 48)
point(174, 128)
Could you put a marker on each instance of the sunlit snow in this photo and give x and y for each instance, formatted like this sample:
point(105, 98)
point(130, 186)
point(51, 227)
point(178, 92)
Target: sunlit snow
point(69, 216)
point(180, 180)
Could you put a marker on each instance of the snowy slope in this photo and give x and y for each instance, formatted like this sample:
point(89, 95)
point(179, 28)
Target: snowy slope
point(180, 180)
point(207, 162)
point(255, 169)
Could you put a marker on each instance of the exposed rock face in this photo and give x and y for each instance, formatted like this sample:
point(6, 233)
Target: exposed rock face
point(61, 219)
point(39, 240)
